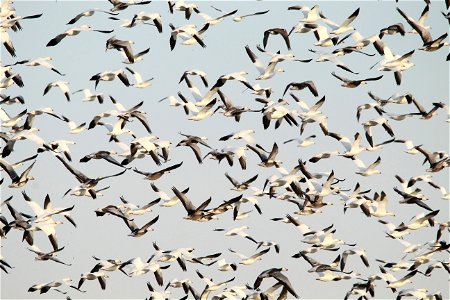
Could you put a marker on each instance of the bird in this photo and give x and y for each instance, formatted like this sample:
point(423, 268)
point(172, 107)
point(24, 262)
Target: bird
point(355, 83)
point(214, 21)
point(138, 232)
point(158, 174)
point(88, 13)
point(276, 274)
point(89, 96)
point(367, 171)
point(43, 61)
point(110, 76)
point(295, 86)
point(85, 181)
point(143, 16)
point(47, 256)
point(16, 180)
point(194, 213)
point(266, 161)
point(240, 186)
point(277, 31)
point(249, 260)
point(240, 18)
point(71, 32)
point(140, 83)
point(344, 27)
point(243, 134)
point(119, 5)
point(188, 33)
point(121, 45)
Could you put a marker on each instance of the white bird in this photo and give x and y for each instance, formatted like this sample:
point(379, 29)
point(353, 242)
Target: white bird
point(62, 85)
point(89, 96)
point(71, 32)
point(243, 134)
point(249, 260)
point(43, 61)
point(344, 27)
point(367, 171)
point(144, 16)
point(139, 82)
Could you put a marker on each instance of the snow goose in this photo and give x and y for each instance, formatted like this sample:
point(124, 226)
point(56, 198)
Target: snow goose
point(296, 86)
point(158, 295)
point(240, 231)
point(85, 181)
point(277, 31)
point(378, 206)
point(205, 112)
point(360, 252)
point(331, 58)
point(192, 142)
point(243, 134)
point(136, 210)
point(110, 76)
point(223, 266)
point(344, 27)
point(46, 256)
point(62, 85)
point(7, 43)
point(321, 35)
point(9, 81)
point(195, 72)
point(100, 276)
point(89, 96)
point(266, 161)
point(214, 21)
point(240, 18)
point(374, 122)
point(121, 45)
point(143, 16)
point(102, 154)
point(355, 83)
point(138, 232)
point(188, 33)
point(45, 287)
point(9, 100)
point(276, 274)
point(88, 13)
point(249, 260)
point(303, 142)
point(140, 83)
point(270, 70)
point(194, 213)
point(240, 186)
point(12, 21)
point(392, 29)
point(119, 5)
point(428, 43)
point(311, 15)
point(188, 8)
point(158, 174)
point(367, 171)
point(43, 61)
point(8, 121)
point(16, 180)
point(71, 32)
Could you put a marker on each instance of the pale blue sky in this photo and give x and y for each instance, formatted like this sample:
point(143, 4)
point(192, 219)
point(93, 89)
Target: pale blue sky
point(84, 55)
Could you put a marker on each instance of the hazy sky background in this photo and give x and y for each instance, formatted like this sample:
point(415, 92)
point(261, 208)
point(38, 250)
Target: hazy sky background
point(84, 55)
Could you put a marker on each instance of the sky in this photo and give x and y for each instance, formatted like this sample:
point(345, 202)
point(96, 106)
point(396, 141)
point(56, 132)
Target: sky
point(84, 55)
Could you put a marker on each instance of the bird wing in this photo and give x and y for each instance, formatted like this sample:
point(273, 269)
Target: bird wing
point(80, 176)
point(186, 202)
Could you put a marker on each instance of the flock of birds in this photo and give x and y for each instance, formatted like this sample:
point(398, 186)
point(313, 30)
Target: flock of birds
point(305, 191)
